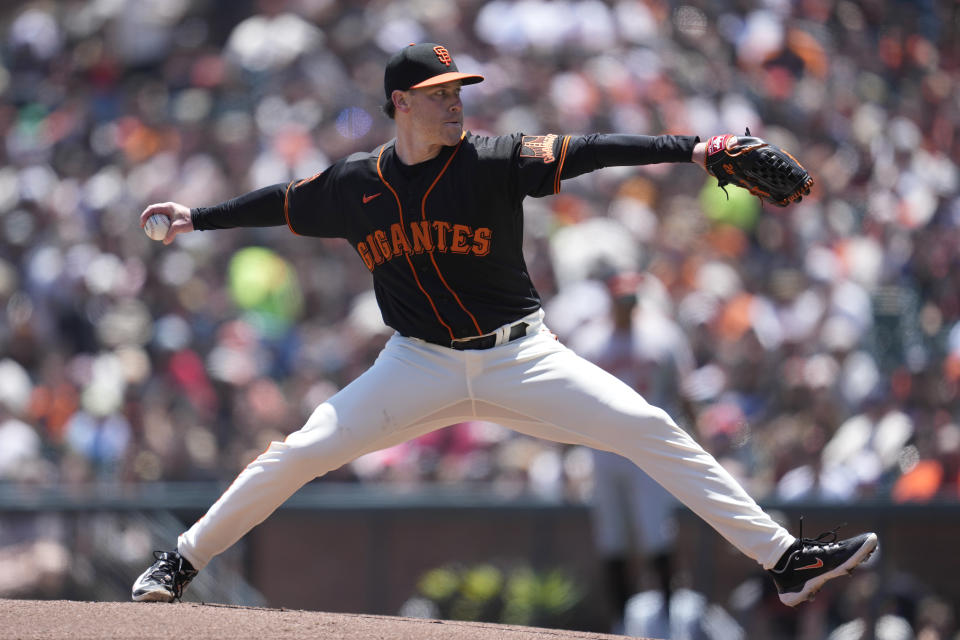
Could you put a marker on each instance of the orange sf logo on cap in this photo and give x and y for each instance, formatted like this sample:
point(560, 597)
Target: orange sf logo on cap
point(443, 55)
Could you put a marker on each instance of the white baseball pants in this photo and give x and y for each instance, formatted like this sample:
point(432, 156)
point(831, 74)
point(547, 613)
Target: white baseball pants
point(533, 385)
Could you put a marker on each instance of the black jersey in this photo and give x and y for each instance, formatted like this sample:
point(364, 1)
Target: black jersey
point(443, 239)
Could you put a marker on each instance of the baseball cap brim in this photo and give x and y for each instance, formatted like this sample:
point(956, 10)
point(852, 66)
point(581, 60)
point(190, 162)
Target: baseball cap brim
point(465, 78)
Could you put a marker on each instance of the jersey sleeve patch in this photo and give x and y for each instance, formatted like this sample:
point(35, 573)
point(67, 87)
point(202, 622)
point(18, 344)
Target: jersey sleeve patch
point(538, 147)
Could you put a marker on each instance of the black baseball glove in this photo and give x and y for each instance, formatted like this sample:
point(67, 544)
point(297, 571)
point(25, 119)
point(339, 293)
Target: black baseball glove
point(766, 171)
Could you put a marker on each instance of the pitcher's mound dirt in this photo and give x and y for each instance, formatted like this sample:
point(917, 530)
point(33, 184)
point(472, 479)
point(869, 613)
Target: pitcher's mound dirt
point(67, 620)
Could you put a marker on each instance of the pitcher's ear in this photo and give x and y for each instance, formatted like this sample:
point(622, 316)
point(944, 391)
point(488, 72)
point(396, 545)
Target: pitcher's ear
point(401, 100)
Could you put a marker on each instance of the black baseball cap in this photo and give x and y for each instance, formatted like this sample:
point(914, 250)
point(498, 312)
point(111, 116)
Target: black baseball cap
point(422, 65)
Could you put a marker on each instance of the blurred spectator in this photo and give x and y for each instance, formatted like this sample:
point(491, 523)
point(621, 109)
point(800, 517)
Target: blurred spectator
point(636, 341)
point(20, 445)
point(868, 445)
point(873, 611)
point(691, 615)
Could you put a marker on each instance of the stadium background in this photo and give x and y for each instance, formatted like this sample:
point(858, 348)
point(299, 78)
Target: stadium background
point(137, 380)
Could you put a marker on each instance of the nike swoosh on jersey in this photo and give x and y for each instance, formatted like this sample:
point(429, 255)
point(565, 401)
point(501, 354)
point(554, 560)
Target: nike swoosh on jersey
point(367, 198)
point(815, 565)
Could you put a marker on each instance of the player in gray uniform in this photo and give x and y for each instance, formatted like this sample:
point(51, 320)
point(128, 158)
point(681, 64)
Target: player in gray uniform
point(436, 216)
point(631, 512)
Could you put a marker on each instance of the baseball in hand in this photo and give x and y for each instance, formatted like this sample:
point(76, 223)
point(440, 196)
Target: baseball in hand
point(156, 226)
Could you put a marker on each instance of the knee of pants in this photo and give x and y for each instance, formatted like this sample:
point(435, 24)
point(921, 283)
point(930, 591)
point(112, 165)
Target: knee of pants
point(321, 445)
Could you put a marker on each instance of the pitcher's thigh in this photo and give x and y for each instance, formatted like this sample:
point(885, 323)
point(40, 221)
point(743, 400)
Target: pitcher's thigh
point(563, 397)
point(404, 394)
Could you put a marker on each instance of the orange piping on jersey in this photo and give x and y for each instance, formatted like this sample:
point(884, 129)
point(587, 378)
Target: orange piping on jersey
point(563, 156)
point(423, 215)
point(286, 208)
point(286, 197)
point(406, 255)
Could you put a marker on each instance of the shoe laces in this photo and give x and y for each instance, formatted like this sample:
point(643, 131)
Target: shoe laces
point(169, 569)
point(824, 540)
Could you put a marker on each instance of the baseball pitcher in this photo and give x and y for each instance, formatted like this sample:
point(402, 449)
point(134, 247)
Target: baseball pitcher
point(436, 215)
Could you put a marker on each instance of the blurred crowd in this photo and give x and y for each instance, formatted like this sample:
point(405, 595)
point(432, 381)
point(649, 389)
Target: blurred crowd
point(825, 338)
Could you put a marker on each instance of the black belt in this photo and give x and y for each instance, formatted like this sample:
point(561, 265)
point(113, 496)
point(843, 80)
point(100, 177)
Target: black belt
point(487, 341)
